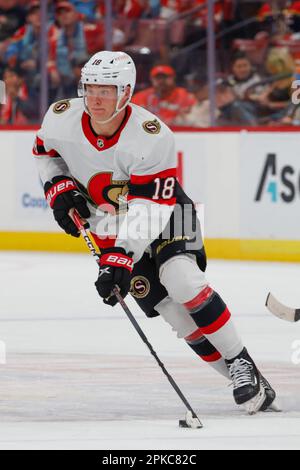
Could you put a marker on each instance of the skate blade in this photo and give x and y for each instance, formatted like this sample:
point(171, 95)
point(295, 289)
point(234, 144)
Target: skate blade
point(273, 408)
point(253, 406)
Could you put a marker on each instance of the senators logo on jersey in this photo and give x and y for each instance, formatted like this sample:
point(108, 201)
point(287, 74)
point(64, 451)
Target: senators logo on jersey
point(105, 193)
point(152, 127)
point(139, 287)
point(61, 106)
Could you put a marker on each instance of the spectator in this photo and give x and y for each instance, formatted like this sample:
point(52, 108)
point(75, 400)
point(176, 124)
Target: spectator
point(164, 99)
point(86, 8)
point(292, 14)
point(200, 18)
point(171, 8)
point(265, 13)
point(68, 43)
point(242, 75)
point(242, 12)
point(199, 114)
point(24, 48)
point(192, 60)
point(12, 17)
point(273, 102)
point(131, 9)
point(230, 110)
point(153, 9)
point(292, 114)
point(274, 17)
point(20, 108)
point(77, 65)
point(74, 41)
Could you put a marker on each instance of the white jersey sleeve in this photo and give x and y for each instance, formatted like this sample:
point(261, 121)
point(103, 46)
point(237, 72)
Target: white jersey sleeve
point(49, 161)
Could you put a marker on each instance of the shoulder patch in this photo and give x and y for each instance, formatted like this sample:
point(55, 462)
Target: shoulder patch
point(61, 106)
point(152, 127)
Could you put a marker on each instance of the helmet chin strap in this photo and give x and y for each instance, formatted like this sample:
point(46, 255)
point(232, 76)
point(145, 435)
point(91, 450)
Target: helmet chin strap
point(114, 114)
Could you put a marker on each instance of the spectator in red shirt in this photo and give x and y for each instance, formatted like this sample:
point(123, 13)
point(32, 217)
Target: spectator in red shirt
point(164, 98)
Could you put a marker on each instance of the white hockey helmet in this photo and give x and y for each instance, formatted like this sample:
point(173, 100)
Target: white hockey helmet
point(109, 68)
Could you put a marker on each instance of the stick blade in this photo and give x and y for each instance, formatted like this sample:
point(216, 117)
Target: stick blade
point(282, 311)
point(193, 421)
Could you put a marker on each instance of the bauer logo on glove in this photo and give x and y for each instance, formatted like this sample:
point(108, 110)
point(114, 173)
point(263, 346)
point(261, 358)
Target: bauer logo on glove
point(115, 270)
point(63, 196)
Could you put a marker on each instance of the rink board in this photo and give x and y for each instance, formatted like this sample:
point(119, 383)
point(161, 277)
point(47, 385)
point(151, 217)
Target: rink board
point(256, 250)
point(248, 181)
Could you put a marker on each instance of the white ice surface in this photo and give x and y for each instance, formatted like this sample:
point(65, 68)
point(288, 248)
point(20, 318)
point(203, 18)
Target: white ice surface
point(78, 376)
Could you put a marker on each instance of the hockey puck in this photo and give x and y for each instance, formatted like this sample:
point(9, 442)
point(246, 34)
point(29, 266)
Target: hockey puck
point(183, 423)
point(190, 421)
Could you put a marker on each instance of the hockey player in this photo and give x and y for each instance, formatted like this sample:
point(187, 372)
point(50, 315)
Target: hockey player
point(95, 150)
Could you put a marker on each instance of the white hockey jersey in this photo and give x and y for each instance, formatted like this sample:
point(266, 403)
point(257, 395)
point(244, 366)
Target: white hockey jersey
point(138, 162)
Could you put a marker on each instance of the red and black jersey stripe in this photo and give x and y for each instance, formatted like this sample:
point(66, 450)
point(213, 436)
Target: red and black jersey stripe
point(159, 187)
point(39, 149)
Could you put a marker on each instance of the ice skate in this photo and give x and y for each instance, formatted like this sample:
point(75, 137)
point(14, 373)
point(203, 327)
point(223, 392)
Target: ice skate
point(247, 389)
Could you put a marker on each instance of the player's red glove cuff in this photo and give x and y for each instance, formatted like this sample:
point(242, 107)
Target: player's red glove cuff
point(58, 188)
point(117, 260)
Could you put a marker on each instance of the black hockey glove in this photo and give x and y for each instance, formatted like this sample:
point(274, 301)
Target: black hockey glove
point(62, 195)
point(115, 270)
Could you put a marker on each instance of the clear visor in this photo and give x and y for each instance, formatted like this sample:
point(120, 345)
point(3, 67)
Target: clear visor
point(109, 92)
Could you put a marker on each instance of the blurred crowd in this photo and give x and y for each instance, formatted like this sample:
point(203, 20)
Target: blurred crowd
point(257, 57)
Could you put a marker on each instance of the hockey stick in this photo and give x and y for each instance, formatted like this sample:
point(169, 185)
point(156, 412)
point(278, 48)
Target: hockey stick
point(282, 311)
point(191, 419)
